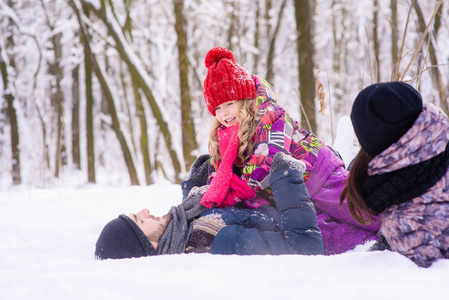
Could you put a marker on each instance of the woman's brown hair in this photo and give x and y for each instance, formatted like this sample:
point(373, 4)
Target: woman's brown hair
point(352, 191)
point(247, 128)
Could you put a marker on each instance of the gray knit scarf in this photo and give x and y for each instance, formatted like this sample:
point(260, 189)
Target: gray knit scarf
point(402, 185)
point(176, 236)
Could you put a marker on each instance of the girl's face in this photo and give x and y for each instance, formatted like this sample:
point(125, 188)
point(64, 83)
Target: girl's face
point(227, 114)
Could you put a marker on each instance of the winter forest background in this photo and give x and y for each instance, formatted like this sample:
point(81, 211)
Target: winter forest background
point(111, 90)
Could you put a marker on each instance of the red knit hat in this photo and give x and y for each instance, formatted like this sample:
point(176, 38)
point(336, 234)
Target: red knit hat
point(225, 80)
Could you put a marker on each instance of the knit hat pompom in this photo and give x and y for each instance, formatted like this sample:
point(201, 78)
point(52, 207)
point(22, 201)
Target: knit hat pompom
point(225, 80)
point(383, 112)
point(217, 54)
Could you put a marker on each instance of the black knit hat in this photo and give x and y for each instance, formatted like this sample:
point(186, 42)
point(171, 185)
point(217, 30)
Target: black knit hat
point(122, 238)
point(383, 112)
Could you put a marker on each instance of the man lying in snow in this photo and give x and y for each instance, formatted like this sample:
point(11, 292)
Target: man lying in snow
point(290, 228)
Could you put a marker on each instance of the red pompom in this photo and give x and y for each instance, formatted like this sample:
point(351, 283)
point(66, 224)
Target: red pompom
point(216, 54)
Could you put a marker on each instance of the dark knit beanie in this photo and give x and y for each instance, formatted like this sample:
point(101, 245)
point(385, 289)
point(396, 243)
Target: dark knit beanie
point(225, 80)
point(382, 113)
point(122, 238)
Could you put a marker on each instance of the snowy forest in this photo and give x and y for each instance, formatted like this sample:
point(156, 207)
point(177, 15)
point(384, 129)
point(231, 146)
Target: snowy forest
point(93, 87)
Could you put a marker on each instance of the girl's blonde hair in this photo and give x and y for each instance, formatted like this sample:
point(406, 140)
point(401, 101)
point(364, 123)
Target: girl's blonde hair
point(247, 129)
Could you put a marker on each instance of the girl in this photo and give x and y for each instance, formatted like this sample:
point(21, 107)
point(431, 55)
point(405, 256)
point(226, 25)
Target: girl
point(249, 129)
point(401, 170)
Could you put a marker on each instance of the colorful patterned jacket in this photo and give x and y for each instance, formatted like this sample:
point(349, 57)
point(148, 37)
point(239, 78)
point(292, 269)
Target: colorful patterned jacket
point(277, 131)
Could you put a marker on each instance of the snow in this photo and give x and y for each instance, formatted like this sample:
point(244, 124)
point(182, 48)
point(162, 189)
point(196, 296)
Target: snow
point(47, 252)
point(346, 143)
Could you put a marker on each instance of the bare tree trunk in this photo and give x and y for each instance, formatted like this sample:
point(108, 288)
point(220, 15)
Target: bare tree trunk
point(12, 116)
point(232, 26)
point(57, 95)
point(115, 120)
point(437, 23)
point(267, 21)
point(436, 76)
point(394, 33)
point(10, 99)
point(45, 150)
point(90, 141)
point(143, 135)
point(188, 128)
point(376, 45)
point(76, 157)
point(128, 108)
point(140, 111)
point(268, 7)
point(256, 38)
point(270, 72)
point(306, 51)
point(104, 124)
point(337, 37)
point(59, 105)
point(58, 100)
point(339, 30)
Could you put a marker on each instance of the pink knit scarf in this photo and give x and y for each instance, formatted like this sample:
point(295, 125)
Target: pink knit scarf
point(227, 188)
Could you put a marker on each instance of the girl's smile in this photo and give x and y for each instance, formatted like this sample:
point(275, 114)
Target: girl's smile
point(227, 114)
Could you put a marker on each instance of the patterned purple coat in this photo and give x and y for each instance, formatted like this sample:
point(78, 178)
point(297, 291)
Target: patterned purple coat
point(325, 175)
point(419, 228)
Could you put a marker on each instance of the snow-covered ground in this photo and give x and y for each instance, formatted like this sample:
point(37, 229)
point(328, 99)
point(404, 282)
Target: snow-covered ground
point(48, 238)
point(47, 242)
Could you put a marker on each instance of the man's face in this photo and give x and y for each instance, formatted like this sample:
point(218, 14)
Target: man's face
point(153, 227)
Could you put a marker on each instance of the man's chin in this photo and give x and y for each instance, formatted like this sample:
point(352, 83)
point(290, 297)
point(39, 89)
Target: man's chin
point(166, 218)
